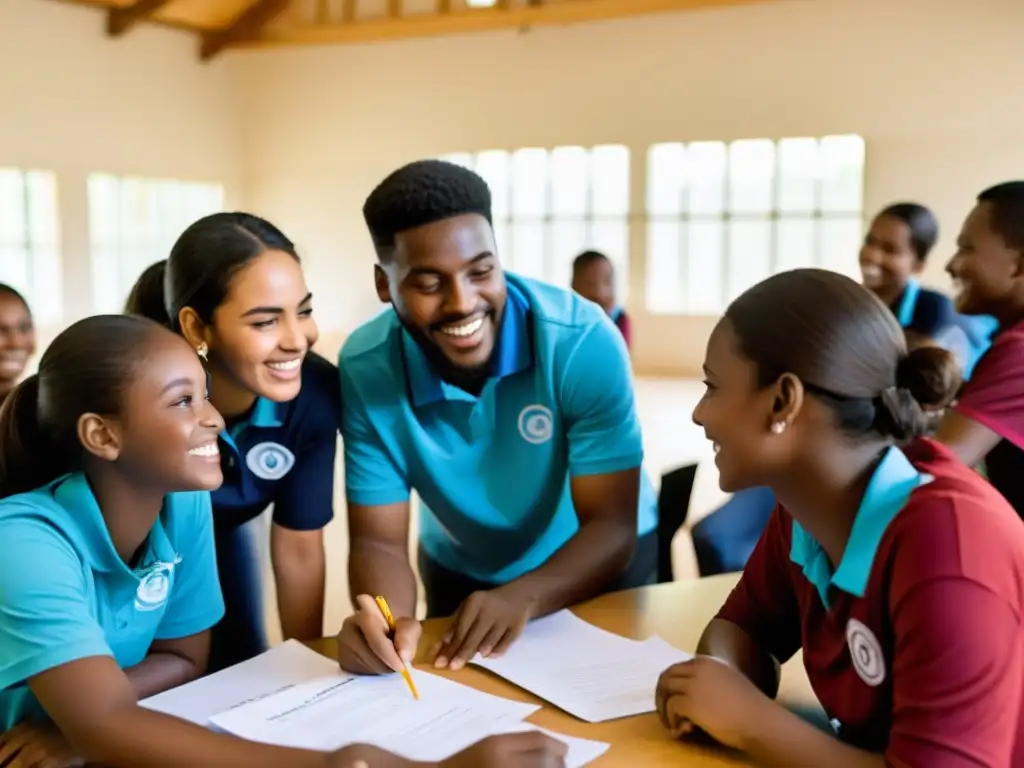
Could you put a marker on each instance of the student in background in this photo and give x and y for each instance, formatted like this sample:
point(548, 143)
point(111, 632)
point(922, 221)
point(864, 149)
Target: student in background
point(897, 570)
point(236, 292)
point(17, 338)
point(987, 423)
point(507, 404)
point(593, 278)
point(108, 582)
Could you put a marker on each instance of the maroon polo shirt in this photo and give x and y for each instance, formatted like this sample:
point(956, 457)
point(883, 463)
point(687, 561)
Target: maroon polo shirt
point(994, 397)
point(937, 632)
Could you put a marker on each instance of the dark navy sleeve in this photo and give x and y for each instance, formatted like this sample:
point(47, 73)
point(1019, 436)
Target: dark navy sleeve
point(305, 496)
point(932, 313)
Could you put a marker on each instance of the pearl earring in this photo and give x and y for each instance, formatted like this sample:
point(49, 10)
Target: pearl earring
point(778, 427)
point(202, 350)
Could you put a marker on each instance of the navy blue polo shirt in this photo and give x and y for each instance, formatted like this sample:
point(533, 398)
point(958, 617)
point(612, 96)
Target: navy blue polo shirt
point(283, 454)
point(923, 311)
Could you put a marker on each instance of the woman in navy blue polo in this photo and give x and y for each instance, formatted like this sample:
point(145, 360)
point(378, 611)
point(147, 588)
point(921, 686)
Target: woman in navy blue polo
point(234, 288)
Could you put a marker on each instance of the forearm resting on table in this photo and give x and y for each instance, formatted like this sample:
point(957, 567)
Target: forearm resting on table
point(160, 671)
point(784, 739)
point(591, 559)
point(379, 568)
point(300, 571)
point(728, 642)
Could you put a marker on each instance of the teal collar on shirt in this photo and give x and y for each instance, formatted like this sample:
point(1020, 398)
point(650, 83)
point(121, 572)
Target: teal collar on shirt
point(887, 493)
point(908, 303)
point(265, 413)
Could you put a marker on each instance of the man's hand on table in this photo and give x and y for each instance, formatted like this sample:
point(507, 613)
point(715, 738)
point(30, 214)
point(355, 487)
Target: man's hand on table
point(366, 645)
point(487, 622)
point(530, 749)
point(37, 745)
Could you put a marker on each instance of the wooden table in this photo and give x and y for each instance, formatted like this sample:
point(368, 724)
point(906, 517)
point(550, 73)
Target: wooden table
point(678, 612)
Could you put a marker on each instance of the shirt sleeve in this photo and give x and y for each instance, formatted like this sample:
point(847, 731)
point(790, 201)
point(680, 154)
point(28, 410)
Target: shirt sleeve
point(371, 476)
point(994, 396)
point(45, 620)
point(763, 603)
point(957, 674)
point(196, 602)
point(598, 405)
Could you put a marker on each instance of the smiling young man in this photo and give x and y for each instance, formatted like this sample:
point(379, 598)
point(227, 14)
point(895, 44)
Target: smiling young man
point(508, 406)
point(988, 421)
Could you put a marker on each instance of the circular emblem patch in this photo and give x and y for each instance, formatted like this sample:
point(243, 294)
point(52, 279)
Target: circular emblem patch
point(535, 424)
point(866, 653)
point(270, 461)
point(154, 585)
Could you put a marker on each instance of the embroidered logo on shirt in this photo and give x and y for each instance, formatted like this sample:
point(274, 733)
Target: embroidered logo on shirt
point(270, 461)
point(536, 424)
point(154, 585)
point(866, 653)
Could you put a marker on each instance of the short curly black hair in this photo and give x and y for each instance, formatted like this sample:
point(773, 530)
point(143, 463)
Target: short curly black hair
point(1007, 201)
point(421, 193)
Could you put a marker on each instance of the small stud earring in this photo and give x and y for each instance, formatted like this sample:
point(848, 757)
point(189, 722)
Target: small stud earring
point(202, 350)
point(778, 427)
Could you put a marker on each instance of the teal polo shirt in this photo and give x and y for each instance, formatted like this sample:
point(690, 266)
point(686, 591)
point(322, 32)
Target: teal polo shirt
point(492, 472)
point(65, 594)
point(888, 491)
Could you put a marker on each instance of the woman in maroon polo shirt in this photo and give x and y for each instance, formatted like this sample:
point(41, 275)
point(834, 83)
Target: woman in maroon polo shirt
point(897, 570)
point(987, 424)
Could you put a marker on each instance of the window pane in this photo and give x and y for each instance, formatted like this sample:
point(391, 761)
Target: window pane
point(610, 180)
point(493, 166)
point(666, 179)
point(529, 182)
point(707, 162)
point(704, 258)
point(840, 245)
point(751, 176)
point(570, 174)
point(612, 239)
point(14, 268)
point(12, 207)
point(528, 249)
point(104, 208)
point(47, 288)
point(664, 267)
point(798, 175)
point(501, 240)
point(796, 244)
point(749, 255)
point(106, 280)
point(568, 240)
point(42, 208)
point(842, 172)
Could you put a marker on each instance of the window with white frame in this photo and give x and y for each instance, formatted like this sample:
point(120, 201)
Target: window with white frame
point(721, 217)
point(133, 222)
point(30, 241)
point(549, 205)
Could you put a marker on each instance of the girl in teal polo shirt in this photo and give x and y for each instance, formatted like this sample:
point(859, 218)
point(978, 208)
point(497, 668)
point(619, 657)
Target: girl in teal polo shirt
point(895, 568)
point(108, 583)
point(234, 288)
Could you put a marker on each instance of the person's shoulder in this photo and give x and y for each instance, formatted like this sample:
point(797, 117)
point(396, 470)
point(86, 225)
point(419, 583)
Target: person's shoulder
point(185, 512)
point(320, 382)
point(35, 529)
point(955, 525)
point(372, 338)
point(558, 310)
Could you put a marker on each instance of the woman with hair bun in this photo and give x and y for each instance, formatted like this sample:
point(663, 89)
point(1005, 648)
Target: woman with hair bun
point(894, 567)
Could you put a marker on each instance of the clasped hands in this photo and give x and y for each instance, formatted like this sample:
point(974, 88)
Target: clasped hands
point(487, 622)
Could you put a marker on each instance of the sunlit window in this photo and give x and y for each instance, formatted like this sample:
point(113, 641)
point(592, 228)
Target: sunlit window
point(722, 217)
point(134, 222)
point(30, 259)
point(551, 204)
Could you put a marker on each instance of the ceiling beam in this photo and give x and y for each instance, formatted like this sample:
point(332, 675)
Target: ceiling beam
point(246, 29)
point(121, 19)
point(462, 21)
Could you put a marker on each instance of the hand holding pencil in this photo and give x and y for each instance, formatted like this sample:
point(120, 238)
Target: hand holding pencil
point(368, 645)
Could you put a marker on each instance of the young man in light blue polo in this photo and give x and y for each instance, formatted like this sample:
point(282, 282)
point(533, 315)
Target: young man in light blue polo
point(508, 406)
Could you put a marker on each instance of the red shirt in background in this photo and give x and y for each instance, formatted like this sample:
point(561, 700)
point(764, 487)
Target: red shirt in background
point(994, 397)
point(916, 650)
point(621, 320)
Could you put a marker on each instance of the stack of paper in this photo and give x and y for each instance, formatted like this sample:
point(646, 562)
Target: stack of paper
point(590, 673)
point(292, 696)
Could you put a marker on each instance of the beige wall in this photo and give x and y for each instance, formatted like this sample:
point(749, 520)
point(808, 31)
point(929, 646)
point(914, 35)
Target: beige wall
point(933, 86)
point(75, 102)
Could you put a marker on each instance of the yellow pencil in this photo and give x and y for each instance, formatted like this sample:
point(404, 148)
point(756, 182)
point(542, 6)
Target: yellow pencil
point(390, 619)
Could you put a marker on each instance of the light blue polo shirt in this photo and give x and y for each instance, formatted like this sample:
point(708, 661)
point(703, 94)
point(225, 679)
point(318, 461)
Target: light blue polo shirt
point(65, 594)
point(888, 491)
point(493, 471)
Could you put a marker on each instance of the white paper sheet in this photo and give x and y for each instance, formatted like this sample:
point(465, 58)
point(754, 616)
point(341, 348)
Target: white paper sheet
point(284, 665)
point(581, 751)
point(339, 710)
point(590, 673)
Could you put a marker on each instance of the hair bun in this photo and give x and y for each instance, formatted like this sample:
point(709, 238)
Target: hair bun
point(927, 380)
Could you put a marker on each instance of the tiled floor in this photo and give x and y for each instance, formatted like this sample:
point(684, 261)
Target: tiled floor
point(670, 440)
